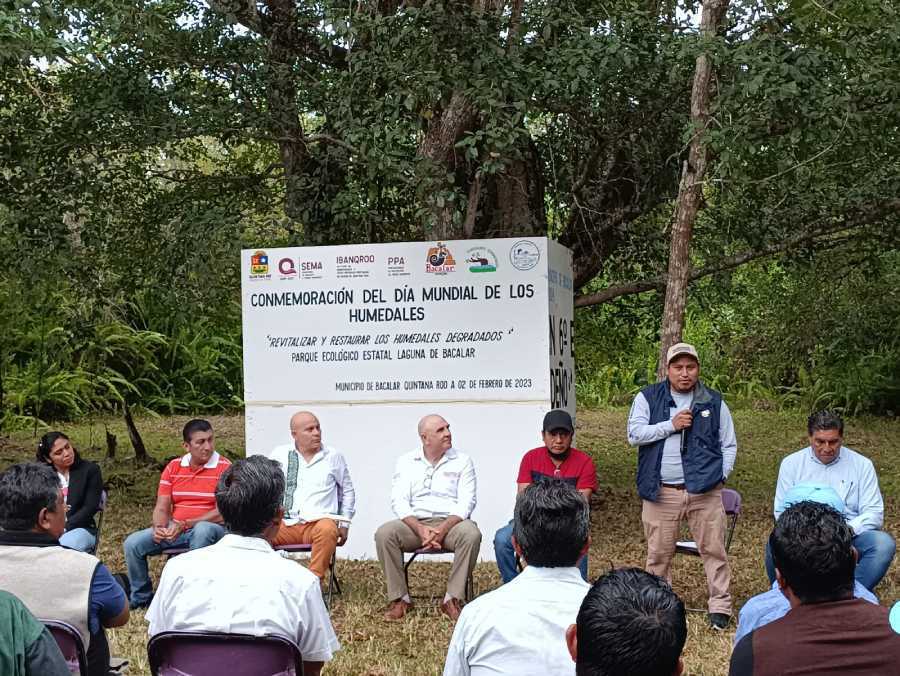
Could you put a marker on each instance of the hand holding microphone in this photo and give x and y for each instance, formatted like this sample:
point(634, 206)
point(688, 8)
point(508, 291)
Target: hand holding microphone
point(682, 420)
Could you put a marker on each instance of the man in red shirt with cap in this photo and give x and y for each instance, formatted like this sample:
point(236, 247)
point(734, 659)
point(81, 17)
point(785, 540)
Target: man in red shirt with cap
point(557, 459)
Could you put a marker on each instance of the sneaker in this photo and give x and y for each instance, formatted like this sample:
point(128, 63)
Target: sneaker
point(719, 621)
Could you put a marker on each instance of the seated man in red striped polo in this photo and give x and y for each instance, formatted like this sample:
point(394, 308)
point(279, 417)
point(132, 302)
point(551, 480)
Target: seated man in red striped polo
point(185, 514)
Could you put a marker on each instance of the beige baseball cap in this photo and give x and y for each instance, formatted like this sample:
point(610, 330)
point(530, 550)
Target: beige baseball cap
point(679, 349)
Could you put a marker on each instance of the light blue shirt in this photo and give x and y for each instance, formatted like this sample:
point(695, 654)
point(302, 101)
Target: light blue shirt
point(641, 432)
point(772, 605)
point(850, 474)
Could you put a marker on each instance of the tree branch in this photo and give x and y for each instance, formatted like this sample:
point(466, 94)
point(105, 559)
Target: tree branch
point(867, 216)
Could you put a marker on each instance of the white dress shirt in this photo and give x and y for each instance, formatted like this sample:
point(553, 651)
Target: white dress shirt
point(641, 433)
point(320, 486)
point(850, 474)
point(519, 628)
point(240, 585)
point(423, 490)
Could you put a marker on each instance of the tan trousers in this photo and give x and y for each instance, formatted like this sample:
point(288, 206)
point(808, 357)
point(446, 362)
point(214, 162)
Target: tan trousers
point(321, 534)
point(706, 519)
point(395, 537)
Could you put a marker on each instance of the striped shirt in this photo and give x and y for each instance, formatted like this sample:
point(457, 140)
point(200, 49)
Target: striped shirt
point(193, 491)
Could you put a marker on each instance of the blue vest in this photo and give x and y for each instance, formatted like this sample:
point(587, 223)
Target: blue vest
point(702, 459)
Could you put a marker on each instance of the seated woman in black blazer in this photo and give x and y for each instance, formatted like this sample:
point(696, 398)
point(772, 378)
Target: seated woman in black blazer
point(82, 485)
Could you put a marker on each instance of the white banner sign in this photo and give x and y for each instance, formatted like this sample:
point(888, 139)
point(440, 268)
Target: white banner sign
point(368, 335)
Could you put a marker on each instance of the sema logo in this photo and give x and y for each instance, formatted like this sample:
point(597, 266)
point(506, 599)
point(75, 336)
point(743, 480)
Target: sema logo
point(439, 260)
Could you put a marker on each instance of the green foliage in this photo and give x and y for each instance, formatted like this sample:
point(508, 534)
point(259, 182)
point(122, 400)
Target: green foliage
point(785, 335)
point(143, 144)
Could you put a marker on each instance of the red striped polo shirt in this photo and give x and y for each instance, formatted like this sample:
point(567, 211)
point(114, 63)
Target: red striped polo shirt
point(193, 491)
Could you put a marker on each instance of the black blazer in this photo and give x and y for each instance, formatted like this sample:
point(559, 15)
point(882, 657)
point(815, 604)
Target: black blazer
point(85, 487)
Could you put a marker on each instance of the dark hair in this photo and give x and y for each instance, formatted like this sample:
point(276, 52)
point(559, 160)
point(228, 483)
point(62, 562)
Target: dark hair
point(812, 548)
point(630, 623)
point(45, 445)
point(551, 523)
point(824, 420)
point(26, 489)
point(249, 494)
point(195, 425)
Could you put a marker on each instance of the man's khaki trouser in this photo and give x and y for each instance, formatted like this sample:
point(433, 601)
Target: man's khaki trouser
point(706, 519)
point(321, 534)
point(395, 537)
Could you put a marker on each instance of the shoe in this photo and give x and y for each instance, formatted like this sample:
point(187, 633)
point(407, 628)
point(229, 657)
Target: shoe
point(451, 608)
point(397, 610)
point(719, 621)
point(142, 605)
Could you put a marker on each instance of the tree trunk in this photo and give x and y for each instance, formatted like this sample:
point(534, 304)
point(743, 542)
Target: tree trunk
point(140, 451)
point(438, 150)
point(281, 99)
point(690, 191)
point(111, 445)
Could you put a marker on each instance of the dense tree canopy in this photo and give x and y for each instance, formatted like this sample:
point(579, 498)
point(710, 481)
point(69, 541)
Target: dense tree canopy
point(143, 142)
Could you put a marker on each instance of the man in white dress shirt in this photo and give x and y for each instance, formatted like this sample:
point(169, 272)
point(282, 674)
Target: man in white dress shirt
point(317, 482)
point(241, 585)
point(520, 628)
point(432, 495)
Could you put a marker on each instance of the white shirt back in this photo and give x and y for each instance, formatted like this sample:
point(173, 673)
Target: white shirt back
point(240, 585)
point(519, 628)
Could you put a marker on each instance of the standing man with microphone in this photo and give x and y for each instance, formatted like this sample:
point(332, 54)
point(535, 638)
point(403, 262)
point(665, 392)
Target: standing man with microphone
point(686, 450)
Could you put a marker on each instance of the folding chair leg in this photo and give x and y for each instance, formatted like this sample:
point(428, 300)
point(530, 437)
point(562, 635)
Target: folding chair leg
point(333, 584)
point(406, 572)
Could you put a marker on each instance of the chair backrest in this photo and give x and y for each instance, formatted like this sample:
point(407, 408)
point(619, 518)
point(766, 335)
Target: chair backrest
point(731, 501)
point(104, 497)
point(210, 653)
point(70, 645)
point(292, 548)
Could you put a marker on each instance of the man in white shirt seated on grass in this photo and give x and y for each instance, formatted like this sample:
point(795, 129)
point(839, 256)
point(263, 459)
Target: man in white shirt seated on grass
point(241, 585)
point(317, 483)
point(432, 495)
point(520, 628)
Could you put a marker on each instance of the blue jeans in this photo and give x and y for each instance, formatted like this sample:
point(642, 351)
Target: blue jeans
point(506, 555)
point(139, 545)
point(876, 551)
point(79, 538)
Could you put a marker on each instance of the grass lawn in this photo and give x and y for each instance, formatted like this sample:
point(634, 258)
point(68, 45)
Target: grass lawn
point(417, 645)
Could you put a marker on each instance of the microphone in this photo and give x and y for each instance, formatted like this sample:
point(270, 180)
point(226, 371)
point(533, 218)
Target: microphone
point(683, 440)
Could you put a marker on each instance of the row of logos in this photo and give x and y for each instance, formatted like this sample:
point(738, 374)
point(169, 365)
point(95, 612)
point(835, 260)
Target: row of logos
point(439, 260)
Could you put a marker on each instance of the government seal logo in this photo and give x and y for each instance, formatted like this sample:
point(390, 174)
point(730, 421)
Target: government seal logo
point(524, 255)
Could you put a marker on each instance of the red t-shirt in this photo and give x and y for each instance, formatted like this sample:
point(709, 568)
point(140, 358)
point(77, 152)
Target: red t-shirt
point(193, 491)
point(577, 469)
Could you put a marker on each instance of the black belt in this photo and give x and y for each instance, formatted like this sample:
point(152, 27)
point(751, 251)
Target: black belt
point(677, 487)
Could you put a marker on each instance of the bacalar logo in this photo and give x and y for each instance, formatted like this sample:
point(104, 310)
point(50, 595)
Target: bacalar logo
point(481, 259)
point(440, 260)
point(259, 263)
